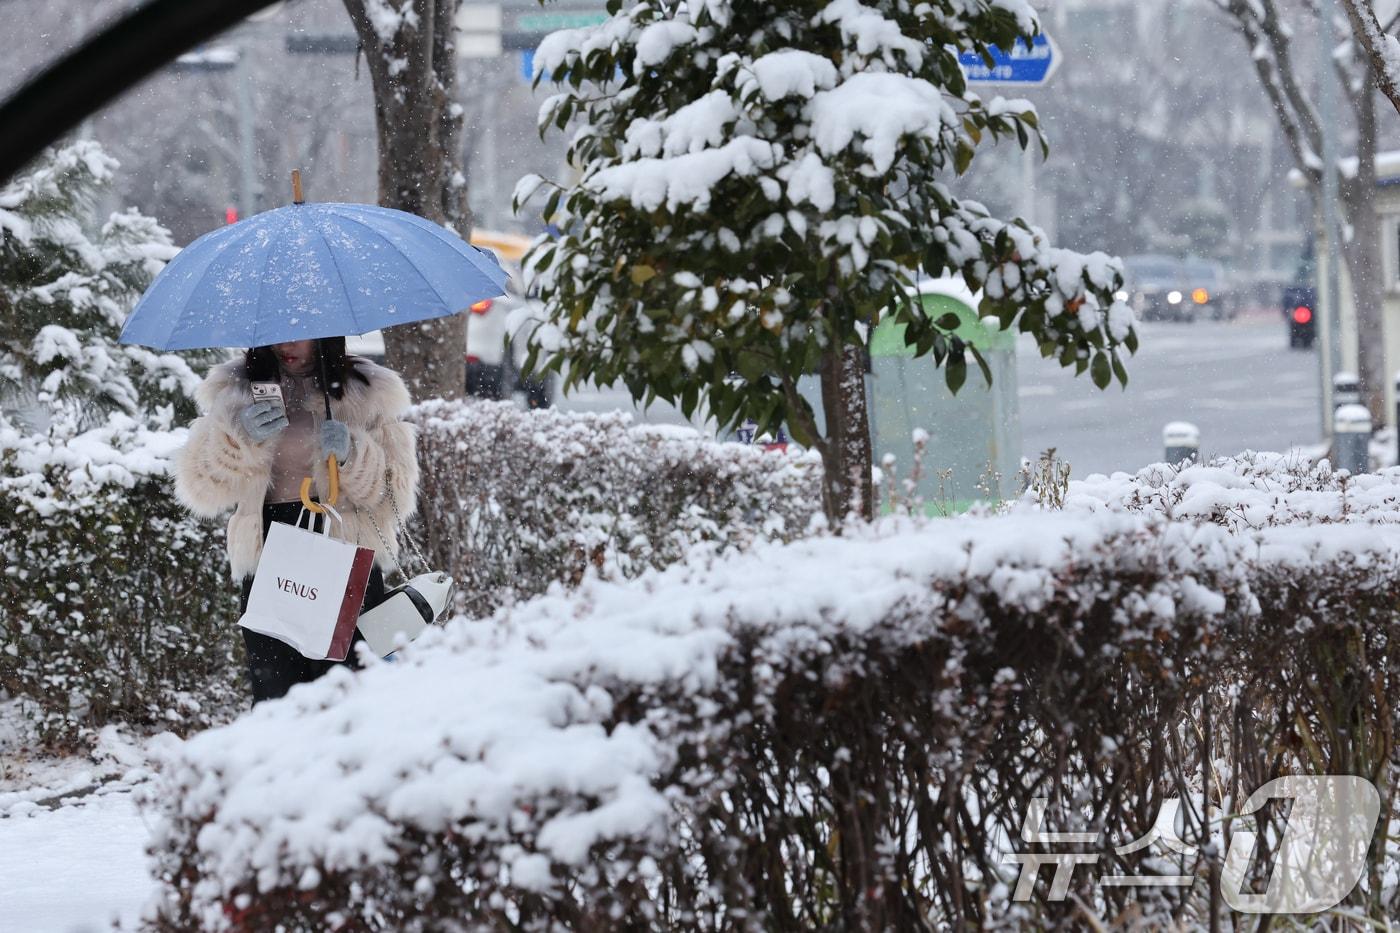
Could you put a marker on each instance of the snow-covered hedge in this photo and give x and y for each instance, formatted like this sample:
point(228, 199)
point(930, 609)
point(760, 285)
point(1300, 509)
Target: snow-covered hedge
point(1249, 491)
point(834, 733)
point(115, 604)
point(515, 501)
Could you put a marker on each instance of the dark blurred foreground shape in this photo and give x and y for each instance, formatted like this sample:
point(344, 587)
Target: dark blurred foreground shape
point(106, 66)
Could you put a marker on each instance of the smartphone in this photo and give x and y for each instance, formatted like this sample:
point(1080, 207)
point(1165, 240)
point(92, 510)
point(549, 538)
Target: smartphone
point(269, 391)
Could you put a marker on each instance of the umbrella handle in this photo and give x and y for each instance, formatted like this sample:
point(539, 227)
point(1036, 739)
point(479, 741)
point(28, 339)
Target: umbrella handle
point(333, 470)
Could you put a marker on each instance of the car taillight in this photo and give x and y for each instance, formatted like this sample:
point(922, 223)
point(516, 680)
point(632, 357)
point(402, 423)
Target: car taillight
point(1302, 314)
point(472, 358)
point(481, 307)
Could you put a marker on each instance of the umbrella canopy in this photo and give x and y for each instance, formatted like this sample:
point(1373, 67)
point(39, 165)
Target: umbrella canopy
point(311, 270)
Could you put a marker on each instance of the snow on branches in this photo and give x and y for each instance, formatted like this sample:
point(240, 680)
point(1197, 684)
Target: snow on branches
point(1377, 42)
point(66, 287)
point(759, 185)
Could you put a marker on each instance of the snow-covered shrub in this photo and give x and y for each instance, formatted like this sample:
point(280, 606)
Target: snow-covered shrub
point(834, 733)
point(514, 501)
point(1252, 490)
point(756, 185)
point(67, 282)
point(114, 603)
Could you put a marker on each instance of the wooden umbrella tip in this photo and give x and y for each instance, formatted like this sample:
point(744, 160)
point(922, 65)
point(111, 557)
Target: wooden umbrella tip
point(296, 186)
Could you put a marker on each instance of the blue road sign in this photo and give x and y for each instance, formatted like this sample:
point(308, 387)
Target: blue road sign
point(1021, 65)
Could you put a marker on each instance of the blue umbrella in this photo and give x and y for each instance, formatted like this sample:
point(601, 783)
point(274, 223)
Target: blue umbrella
point(311, 270)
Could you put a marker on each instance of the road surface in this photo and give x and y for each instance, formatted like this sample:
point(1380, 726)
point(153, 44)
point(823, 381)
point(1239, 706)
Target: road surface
point(1238, 382)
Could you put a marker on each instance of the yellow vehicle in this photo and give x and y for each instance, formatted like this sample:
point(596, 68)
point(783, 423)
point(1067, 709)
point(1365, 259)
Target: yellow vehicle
point(494, 357)
point(510, 247)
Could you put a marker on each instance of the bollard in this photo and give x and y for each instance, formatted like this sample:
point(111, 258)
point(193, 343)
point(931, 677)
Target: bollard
point(1182, 441)
point(1346, 390)
point(1351, 439)
point(1397, 417)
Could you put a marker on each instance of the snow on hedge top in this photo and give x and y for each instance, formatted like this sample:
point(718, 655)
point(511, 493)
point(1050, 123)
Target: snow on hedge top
point(52, 471)
point(500, 729)
point(1253, 490)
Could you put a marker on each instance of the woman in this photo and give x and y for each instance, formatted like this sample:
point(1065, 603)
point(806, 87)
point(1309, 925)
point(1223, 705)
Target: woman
point(251, 456)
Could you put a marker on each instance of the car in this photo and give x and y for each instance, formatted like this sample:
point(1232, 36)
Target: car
point(494, 357)
point(497, 332)
point(370, 346)
point(495, 360)
point(1156, 288)
point(497, 344)
point(1207, 290)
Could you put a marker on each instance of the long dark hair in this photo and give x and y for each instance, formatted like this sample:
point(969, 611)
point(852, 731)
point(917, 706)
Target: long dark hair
point(260, 364)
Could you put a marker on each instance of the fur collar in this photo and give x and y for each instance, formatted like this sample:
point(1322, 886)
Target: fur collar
point(226, 389)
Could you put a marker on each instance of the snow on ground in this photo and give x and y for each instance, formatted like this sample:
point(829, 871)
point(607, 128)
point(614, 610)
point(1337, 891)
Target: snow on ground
point(72, 842)
point(75, 868)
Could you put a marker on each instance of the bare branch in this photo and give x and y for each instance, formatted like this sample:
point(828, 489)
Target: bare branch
point(1382, 50)
point(1349, 82)
point(1268, 45)
point(1276, 32)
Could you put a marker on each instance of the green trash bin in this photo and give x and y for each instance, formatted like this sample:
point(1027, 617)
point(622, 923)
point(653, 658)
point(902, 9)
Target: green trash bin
point(974, 438)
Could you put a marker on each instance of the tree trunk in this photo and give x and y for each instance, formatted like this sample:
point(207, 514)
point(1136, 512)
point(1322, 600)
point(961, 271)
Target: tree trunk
point(846, 456)
point(414, 73)
point(1362, 255)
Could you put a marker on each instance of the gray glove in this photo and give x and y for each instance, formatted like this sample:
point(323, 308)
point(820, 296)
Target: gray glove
point(262, 419)
point(335, 439)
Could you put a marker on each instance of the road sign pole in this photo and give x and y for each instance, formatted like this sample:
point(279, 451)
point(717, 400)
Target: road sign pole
point(1330, 360)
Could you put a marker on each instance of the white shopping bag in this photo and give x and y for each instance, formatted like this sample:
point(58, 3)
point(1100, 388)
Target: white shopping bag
point(308, 589)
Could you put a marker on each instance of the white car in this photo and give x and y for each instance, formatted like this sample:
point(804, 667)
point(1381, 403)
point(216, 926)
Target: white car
point(494, 358)
point(496, 352)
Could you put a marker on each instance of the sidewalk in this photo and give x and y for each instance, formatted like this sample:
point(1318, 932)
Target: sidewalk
point(76, 868)
point(72, 840)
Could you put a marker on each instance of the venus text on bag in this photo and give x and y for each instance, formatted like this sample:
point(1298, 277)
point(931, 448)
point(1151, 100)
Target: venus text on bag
point(299, 589)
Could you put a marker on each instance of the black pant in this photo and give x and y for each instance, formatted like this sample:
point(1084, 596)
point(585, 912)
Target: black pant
point(274, 666)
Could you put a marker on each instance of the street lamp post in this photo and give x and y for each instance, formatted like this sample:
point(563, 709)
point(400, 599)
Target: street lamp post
point(225, 59)
point(247, 185)
point(1330, 360)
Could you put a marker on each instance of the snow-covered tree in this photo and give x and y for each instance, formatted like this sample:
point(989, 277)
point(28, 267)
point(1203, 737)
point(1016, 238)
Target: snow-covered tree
point(1269, 29)
point(410, 51)
point(1377, 41)
point(760, 184)
point(66, 287)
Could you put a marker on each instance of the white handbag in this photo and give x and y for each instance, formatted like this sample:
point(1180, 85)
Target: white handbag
point(408, 609)
point(405, 612)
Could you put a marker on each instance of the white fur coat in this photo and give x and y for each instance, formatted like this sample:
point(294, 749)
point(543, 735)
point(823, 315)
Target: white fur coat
point(221, 468)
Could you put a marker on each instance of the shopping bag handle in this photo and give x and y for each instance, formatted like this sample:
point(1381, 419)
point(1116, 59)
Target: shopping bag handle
point(333, 470)
point(326, 509)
